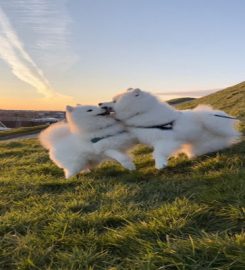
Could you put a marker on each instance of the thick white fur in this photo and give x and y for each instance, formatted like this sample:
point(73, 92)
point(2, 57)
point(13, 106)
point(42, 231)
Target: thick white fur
point(70, 146)
point(195, 132)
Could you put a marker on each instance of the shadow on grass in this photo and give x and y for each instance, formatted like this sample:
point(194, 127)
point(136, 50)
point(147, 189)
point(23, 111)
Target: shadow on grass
point(210, 220)
point(57, 186)
point(12, 145)
point(182, 178)
point(88, 207)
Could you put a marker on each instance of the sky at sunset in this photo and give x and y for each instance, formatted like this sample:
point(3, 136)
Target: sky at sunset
point(59, 52)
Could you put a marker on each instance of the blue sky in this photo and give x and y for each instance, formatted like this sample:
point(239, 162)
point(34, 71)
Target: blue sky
point(85, 51)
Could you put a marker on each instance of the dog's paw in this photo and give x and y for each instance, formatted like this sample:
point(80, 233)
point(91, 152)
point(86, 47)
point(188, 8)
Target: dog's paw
point(69, 173)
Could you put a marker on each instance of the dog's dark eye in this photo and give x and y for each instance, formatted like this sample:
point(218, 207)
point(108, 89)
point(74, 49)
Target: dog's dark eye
point(90, 110)
point(114, 101)
point(136, 95)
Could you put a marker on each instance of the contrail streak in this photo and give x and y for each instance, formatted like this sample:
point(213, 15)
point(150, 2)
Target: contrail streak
point(22, 65)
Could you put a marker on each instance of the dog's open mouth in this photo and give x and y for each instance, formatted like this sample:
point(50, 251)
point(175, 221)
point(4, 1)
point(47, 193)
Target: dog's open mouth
point(104, 113)
point(107, 111)
point(110, 110)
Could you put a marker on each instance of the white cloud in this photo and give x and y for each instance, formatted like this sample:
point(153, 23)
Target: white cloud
point(45, 26)
point(23, 66)
point(15, 54)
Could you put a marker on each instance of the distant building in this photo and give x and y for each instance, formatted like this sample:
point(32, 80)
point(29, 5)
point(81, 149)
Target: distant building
point(19, 118)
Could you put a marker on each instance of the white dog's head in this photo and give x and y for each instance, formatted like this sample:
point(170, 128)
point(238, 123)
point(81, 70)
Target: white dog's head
point(87, 118)
point(130, 103)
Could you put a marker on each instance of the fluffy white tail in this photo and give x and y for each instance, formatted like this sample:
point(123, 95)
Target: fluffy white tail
point(53, 134)
point(218, 122)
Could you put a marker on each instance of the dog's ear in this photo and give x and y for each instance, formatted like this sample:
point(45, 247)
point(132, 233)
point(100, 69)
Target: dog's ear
point(69, 108)
point(130, 89)
point(78, 104)
point(136, 91)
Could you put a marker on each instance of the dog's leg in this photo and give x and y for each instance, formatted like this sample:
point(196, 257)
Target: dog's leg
point(162, 150)
point(123, 159)
point(70, 172)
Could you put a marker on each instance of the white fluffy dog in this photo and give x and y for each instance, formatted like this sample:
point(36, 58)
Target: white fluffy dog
point(169, 131)
point(89, 136)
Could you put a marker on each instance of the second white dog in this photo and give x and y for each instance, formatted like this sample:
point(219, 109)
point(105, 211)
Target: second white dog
point(88, 137)
point(167, 130)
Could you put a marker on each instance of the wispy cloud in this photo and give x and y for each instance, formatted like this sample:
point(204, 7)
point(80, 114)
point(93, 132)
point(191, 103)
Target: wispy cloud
point(22, 65)
point(14, 52)
point(45, 26)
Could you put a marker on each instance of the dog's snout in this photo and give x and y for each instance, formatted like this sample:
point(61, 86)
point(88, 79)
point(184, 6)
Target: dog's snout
point(100, 104)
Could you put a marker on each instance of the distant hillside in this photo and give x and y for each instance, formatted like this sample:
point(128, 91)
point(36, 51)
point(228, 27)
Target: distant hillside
point(177, 101)
point(231, 100)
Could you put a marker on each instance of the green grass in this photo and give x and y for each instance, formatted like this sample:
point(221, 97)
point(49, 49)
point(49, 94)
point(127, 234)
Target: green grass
point(187, 216)
point(20, 131)
point(231, 100)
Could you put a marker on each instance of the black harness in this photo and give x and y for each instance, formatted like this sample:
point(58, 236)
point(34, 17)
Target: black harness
point(170, 125)
point(97, 139)
point(166, 126)
point(224, 116)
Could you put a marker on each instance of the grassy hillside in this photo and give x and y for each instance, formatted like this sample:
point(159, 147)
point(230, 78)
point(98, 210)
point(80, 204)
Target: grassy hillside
point(14, 132)
point(176, 101)
point(189, 216)
point(231, 100)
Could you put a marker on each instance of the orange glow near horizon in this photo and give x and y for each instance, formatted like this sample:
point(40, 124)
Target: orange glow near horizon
point(44, 104)
point(52, 104)
point(37, 104)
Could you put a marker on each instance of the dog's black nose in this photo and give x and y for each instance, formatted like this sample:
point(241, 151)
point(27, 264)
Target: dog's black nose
point(104, 107)
point(100, 104)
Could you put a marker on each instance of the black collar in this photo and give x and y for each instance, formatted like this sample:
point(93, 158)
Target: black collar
point(97, 139)
point(111, 125)
point(166, 126)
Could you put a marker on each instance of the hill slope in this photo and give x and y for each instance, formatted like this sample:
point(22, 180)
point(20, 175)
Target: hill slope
point(177, 101)
point(231, 100)
point(188, 216)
